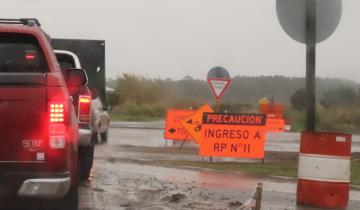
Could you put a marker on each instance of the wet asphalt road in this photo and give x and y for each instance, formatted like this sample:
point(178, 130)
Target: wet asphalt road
point(121, 178)
point(150, 134)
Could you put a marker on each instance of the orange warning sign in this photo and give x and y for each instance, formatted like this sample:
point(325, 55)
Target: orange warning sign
point(193, 123)
point(275, 125)
point(173, 127)
point(272, 110)
point(233, 135)
point(228, 135)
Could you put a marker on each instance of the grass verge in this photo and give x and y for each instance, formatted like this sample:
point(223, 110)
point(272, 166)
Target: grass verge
point(257, 169)
point(132, 118)
point(286, 168)
point(355, 172)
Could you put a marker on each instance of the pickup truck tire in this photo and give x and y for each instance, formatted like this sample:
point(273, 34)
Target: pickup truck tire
point(86, 162)
point(104, 136)
point(68, 202)
point(95, 138)
point(71, 200)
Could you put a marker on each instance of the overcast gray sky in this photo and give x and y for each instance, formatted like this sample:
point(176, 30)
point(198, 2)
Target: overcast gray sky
point(175, 38)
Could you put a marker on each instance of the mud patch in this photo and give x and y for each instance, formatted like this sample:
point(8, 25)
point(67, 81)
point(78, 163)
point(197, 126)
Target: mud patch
point(174, 198)
point(234, 204)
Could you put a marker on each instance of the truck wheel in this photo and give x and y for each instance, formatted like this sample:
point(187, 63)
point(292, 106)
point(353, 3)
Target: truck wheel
point(68, 202)
point(95, 138)
point(104, 136)
point(71, 200)
point(86, 162)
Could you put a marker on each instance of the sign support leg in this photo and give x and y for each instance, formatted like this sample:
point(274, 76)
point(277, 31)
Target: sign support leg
point(310, 65)
point(258, 196)
point(217, 110)
point(182, 144)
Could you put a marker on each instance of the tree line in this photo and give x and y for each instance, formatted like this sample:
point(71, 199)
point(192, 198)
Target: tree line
point(141, 90)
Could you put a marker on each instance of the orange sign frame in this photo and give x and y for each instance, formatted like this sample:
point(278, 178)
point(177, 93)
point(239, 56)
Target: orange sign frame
point(275, 125)
point(228, 135)
point(272, 110)
point(193, 123)
point(233, 135)
point(174, 130)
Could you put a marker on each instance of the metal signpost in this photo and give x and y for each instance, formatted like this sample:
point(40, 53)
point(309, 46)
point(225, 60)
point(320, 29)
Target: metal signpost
point(309, 22)
point(310, 64)
point(219, 80)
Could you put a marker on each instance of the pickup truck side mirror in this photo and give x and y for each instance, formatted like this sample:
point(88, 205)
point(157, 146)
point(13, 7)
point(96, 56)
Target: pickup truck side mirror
point(75, 77)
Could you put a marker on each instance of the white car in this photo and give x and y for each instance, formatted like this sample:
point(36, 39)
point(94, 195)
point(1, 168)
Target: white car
point(95, 127)
point(100, 117)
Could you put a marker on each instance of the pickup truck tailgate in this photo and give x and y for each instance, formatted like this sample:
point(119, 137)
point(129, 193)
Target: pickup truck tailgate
point(23, 117)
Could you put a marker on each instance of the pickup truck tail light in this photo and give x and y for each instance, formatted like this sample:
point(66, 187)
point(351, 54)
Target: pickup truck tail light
point(57, 129)
point(84, 109)
point(57, 112)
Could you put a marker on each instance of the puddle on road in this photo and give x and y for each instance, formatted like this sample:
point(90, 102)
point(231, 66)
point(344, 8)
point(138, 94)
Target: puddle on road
point(143, 183)
point(150, 186)
point(226, 187)
point(154, 138)
point(119, 185)
point(205, 179)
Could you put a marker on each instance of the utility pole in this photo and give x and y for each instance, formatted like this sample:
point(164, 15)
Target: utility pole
point(310, 65)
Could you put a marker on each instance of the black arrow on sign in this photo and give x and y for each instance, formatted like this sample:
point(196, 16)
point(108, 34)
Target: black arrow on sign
point(172, 130)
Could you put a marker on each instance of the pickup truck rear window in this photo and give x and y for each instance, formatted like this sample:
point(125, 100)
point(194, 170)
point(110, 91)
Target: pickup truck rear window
point(65, 61)
point(21, 53)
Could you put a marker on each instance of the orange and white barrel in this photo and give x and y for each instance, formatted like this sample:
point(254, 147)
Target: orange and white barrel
point(324, 170)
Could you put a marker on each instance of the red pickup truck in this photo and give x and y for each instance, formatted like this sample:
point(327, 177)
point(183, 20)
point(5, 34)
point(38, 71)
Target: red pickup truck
point(38, 124)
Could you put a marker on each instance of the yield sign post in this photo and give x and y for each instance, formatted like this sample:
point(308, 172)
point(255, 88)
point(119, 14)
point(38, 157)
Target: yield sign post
point(218, 86)
point(309, 22)
point(219, 80)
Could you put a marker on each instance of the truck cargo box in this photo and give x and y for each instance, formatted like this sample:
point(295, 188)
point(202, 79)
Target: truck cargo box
point(92, 58)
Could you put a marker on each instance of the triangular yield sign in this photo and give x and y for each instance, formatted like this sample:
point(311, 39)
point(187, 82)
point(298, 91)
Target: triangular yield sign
point(219, 86)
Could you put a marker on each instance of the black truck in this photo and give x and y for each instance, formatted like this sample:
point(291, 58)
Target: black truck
point(91, 54)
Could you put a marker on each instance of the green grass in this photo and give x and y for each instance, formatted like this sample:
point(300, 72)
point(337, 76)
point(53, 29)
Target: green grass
point(252, 168)
point(271, 168)
point(355, 172)
point(132, 118)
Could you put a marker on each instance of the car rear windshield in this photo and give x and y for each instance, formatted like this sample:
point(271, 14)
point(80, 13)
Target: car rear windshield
point(65, 61)
point(21, 53)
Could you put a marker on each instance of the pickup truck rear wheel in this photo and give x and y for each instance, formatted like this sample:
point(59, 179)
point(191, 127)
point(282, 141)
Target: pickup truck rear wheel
point(86, 162)
point(104, 136)
point(95, 138)
point(68, 202)
point(71, 200)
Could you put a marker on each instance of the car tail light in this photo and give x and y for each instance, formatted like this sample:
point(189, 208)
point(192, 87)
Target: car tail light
point(57, 111)
point(30, 55)
point(57, 129)
point(57, 142)
point(84, 109)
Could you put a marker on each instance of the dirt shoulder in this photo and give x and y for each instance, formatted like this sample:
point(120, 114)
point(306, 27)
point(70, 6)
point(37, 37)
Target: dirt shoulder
point(281, 164)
